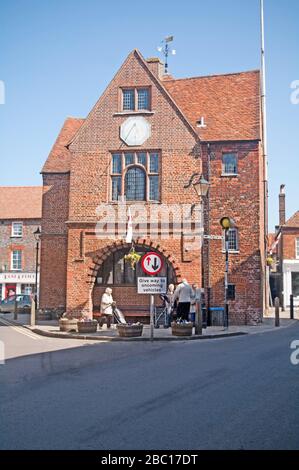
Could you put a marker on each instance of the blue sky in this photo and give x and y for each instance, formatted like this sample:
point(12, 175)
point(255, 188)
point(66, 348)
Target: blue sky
point(56, 58)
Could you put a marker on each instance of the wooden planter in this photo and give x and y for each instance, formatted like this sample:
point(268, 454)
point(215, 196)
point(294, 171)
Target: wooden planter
point(129, 331)
point(181, 329)
point(87, 326)
point(68, 324)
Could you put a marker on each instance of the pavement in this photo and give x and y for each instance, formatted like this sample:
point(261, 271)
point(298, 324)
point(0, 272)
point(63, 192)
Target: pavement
point(240, 393)
point(50, 328)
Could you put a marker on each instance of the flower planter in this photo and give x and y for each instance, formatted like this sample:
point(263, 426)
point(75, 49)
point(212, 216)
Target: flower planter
point(87, 326)
point(68, 324)
point(182, 329)
point(129, 331)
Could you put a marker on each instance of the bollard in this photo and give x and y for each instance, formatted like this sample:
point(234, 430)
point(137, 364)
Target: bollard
point(32, 313)
point(15, 315)
point(277, 306)
point(292, 307)
point(198, 319)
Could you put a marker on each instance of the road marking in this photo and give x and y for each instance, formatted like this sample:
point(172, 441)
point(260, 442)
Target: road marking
point(20, 329)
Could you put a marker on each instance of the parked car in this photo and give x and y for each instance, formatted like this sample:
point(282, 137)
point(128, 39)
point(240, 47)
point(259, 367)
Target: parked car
point(23, 304)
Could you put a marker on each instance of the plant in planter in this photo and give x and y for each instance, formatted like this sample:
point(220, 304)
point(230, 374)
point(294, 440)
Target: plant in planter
point(68, 323)
point(182, 328)
point(132, 257)
point(87, 325)
point(130, 330)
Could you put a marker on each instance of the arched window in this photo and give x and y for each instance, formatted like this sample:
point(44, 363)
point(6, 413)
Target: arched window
point(135, 176)
point(116, 271)
point(135, 187)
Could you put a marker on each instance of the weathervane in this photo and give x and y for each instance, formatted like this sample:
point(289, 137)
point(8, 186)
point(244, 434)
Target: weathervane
point(166, 50)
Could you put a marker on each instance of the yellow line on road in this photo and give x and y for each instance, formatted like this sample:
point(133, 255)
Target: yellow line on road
point(20, 329)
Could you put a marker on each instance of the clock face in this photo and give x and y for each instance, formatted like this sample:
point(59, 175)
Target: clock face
point(135, 130)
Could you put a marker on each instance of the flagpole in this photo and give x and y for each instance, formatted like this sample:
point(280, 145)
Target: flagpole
point(264, 147)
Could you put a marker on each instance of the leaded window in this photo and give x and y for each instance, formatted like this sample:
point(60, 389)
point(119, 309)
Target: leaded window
point(135, 176)
point(136, 99)
point(129, 100)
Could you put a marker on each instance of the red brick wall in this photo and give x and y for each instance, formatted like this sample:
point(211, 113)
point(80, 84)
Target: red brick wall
point(288, 241)
point(239, 197)
point(54, 241)
point(26, 244)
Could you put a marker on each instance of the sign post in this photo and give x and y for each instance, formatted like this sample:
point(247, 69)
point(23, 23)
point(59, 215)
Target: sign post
point(151, 264)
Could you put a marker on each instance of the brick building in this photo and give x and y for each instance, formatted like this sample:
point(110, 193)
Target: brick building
point(20, 216)
point(285, 247)
point(144, 139)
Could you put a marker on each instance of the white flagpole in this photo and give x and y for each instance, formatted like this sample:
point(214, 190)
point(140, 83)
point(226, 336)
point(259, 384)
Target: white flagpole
point(129, 235)
point(264, 146)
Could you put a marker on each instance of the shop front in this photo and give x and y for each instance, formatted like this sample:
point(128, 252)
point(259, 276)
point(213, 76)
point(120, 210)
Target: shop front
point(16, 283)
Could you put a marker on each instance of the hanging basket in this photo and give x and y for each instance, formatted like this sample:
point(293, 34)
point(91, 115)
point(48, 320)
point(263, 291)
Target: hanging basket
point(132, 257)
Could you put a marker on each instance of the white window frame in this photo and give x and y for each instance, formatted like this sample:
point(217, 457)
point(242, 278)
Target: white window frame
point(237, 249)
point(230, 173)
point(13, 233)
point(297, 247)
point(12, 260)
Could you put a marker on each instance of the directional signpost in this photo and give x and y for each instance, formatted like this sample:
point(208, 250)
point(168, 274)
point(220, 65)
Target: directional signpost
point(152, 264)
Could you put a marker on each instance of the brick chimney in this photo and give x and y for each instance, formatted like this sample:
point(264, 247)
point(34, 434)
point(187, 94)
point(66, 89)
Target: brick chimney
point(282, 205)
point(156, 66)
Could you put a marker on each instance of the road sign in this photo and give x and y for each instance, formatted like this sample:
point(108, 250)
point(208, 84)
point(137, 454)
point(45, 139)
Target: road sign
point(213, 237)
point(151, 285)
point(151, 263)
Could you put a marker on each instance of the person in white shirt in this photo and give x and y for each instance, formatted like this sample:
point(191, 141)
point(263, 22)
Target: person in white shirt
point(107, 303)
point(183, 294)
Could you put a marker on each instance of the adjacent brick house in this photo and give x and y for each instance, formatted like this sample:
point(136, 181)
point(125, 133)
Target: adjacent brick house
point(144, 139)
point(285, 275)
point(20, 216)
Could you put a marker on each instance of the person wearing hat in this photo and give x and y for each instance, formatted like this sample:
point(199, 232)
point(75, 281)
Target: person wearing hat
point(107, 304)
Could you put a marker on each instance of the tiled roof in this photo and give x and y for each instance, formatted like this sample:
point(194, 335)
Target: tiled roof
point(58, 160)
point(293, 221)
point(20, 202)
point(230, 104)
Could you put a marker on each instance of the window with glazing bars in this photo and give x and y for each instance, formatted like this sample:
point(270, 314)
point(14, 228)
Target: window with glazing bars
point(229, 164)
point(135, 176)
point(233, 242)
point(136, 99)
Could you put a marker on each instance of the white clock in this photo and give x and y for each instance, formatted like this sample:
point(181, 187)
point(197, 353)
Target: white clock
point(135, 130)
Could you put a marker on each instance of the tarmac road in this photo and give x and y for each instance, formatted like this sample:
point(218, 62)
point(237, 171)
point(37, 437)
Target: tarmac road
point(232, 393)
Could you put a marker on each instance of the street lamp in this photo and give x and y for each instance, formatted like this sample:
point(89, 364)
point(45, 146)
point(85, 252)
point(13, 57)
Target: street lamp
point(226, 223)
point(37, 235)
point(201, 187)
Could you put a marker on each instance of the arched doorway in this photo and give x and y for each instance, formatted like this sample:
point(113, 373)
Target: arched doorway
point(116, 273)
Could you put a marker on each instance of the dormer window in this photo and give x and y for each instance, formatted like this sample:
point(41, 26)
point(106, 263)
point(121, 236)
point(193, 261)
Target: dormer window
point(135, 99)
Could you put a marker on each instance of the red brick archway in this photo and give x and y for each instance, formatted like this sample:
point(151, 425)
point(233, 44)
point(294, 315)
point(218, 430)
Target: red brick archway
point(126, 296)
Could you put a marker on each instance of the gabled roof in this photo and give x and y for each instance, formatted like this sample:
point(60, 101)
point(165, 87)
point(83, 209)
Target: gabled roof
point(293, 221)
point(58, 160)
point(20, 202)
point(230, 104)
